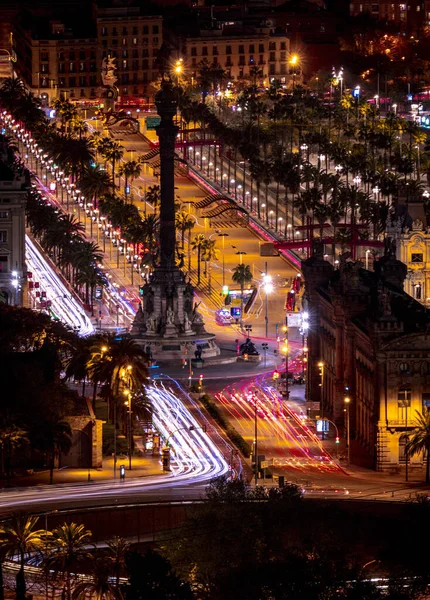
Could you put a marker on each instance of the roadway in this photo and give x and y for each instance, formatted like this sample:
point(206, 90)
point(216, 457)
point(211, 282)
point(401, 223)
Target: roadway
point(197, 456)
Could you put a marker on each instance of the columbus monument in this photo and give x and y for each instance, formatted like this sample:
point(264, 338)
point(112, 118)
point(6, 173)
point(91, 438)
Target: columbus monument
point(168, 324)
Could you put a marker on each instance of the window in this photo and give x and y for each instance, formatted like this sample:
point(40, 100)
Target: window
point(134, 41)
point(144, 41)
point(44, 68)
point(145, 30)
point(154, 64)
point(155, 41)
point(82, 93)
point(72, 81)
point(404, 394)
point(44, 56)
point(124, 64)
point(271, 69)
point(251, 60)
point(124, 78)
point(241, 49)
point(261, 59)
point(261, 47)
point(228, 63)
point(93, 81)
point(251, 48)
point(124, 41)
point(114, 31)
point(417, 257)
point(61, 56)
point(418, 291)
point(193, 51)
point(82, 80)
point(3, 263)
point(124, 31)
point(204, 51)
point(104, 43)
point(93, 91)
point(228, 49)
point(62, 81)
point(82, 67)
point(155, 29)
point(283, 69)
point(82, 54)
point(194, 62)
point(135, 53)
point(214, 51)
point(283, 46)
point(426, 400)
point(114, 42)
point(104, 31)
point(145, 64)
point(272, 57)
point(283, 56)
point(135, 30)
point(154, 52)
point(93, 67)
point(403, 440)
point(241, 60)
point(145, 53)
point(92, 54)
point(125, 53)
point(4, 214)
point(3, 237)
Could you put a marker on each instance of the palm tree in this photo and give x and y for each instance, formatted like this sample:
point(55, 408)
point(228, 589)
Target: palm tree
point(153, 196)
point(70, 542)
point(53, 437)
point(100, 587)
point(19, 537)
point(77, 363)
point(113, 152)
point(118, 550)
point(196, 244)
point(94, 183)
point(12, 437)
point(129, 170)
point(184, 222)
point(420, 440)
point(242, 275)
point(209, 252)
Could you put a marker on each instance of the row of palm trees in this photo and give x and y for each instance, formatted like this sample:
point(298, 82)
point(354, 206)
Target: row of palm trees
point(296, 141)
point(61, 553)
point(61, 236)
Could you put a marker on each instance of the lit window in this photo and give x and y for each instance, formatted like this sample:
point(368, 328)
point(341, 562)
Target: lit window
point(3, 237)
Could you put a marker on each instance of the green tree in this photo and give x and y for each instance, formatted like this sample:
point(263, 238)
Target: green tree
point(209, 253)
point(18, 536)
point(12, 437)
point(100, 587)
point(151, 577)
point(420, 440)
point(53, 437)
point(94, 183)
point(69, 550)
point(118, 549)
point(197, 244)
point(242, 275)
point(130, 170)
point(113, 152)
point(153, 196)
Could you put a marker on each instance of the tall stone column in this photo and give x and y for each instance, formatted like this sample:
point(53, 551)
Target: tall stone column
point(166, 102)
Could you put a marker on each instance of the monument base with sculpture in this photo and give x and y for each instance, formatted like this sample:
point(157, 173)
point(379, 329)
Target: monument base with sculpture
point(168, 325)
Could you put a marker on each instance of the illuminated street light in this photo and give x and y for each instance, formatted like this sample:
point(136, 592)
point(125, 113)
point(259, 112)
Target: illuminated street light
point(268, 289)
point(347, 401)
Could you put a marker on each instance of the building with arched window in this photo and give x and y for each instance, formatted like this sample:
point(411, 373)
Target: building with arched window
point(373, 339)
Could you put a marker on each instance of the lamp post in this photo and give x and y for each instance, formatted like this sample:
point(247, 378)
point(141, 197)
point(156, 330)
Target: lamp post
point(265, 348)
point(347, 401)
point(255, 440)
point(285, 350)
point(128, 394)
point(241, 256)
point(268, 288)
point(321, 385)
point(223, 236)
point(406, 403)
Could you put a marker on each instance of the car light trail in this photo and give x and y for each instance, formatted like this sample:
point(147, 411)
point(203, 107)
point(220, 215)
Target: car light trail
point(63, 304)
point(195, 461)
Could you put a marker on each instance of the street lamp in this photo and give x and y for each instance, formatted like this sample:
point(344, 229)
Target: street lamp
point(321, 385)
point(347, 401)
point(405, 403)
point(268, 288)
point(285, 350)
point(240, 256)
point(179, 67)
point(223, 236)
point(265, 347)
point(294, 67)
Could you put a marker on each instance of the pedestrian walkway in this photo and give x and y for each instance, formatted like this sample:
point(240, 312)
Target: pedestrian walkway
point(142, 466)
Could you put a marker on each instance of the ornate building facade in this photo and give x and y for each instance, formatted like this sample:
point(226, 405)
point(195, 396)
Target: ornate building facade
point(374, 342)
point(13, 272)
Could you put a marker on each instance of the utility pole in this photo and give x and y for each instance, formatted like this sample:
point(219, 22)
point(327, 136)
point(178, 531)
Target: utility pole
point(256, 440)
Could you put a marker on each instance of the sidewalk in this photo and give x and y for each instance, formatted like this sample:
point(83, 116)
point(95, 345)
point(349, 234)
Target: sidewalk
point(141, 467)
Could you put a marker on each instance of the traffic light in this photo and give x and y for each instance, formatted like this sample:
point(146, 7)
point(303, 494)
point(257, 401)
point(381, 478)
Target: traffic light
point(337, 440)
point(275, 375)
point(141, 291)
point(225, 290)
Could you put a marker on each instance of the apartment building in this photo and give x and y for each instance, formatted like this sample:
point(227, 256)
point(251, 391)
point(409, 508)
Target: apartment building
point(55, 62)
point(134, 40)
point(237, 52)
point(409, 14)
point(13, 271)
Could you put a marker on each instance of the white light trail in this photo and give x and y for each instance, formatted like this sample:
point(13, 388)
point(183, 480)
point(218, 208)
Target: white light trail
point(63, 303)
